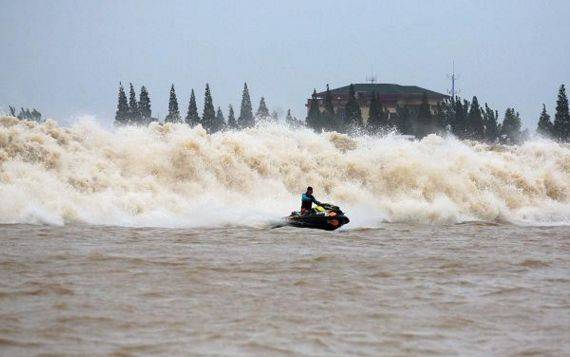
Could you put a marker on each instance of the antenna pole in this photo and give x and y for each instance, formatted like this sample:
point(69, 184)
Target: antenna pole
point(453, 78)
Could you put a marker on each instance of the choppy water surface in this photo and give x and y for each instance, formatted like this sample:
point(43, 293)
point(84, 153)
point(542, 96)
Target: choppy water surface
point(468, 288)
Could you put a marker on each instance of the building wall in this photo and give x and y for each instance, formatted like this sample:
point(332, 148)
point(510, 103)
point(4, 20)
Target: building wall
point(389, 102)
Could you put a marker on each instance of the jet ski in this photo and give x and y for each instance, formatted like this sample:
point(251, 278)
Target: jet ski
point(324, 216)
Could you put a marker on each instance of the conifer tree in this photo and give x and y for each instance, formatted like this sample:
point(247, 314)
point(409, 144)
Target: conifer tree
point(192, 117)
point(289, 118)
point(219, 122)
point(562, 117)
point(328, 116)
point(476, 126)
point(460, 125)
point(491, 119)
point(122, 114)
point(262, 111)
point(511, 128)
point(441, 116)
point(424, 124)
point(144, 106)
point(353, 114)
point(232, 123)
point(209, 114)
point(314, 115)
point(545, 126)
point(134, 117)
point(245, 119)
point(404, 119)
point(173, 113)
point(274, 116)
point(377, 117)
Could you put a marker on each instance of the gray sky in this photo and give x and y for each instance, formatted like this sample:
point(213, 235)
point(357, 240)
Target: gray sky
point(66, 58)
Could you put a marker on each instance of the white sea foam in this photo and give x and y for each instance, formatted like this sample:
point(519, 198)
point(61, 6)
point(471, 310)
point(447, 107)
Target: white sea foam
point(176, 176)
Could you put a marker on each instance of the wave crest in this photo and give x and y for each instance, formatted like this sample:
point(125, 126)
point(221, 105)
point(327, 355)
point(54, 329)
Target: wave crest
point(176, 176)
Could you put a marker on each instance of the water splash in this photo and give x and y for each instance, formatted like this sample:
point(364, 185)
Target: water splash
point(176, 176)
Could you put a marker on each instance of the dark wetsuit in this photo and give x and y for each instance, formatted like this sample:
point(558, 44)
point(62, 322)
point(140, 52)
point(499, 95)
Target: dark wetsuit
point(307, 203)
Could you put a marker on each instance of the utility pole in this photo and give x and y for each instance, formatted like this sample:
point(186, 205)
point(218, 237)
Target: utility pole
point(453, 92)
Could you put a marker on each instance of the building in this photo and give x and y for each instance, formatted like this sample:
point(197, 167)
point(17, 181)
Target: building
point(390, 95)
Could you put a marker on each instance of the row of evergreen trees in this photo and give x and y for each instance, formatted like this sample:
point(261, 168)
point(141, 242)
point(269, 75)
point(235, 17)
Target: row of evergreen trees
point(560, 128)
point(465, 119)
point(133, 111)
point(26, 114)
point(130, 111)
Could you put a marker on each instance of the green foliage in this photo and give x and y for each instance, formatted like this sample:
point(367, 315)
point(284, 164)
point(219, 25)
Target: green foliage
point(404, 120)
point(122, 114)
point(424, 123)
point(314, 119)
point(192, 117)
point(173, 113)
point(329, 120)
point(545, 126)
point(492, 127)
point(27, 114)
point(209, 114)
point(561, 128)
point(245, 119)
point(475, 124)
point(377, 116)
point(262, 111)
point(353, 114)
point(232, 123)
point(220, 121)
point(134, 115)
point(144, 106)
point(511, 128)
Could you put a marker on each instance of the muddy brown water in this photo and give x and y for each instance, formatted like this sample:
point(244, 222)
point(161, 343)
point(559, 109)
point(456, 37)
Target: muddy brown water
point(464, 289)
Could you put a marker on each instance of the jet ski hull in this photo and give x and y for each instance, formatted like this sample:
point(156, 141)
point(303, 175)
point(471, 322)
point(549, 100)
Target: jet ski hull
point(329, 220)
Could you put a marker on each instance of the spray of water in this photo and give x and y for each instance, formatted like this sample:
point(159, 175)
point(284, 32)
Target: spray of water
point(176, 176)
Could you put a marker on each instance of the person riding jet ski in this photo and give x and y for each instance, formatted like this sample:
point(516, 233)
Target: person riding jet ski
point(324, 216)
point(307, 200)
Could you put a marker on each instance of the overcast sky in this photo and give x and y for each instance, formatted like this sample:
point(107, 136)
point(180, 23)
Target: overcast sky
point(66, 58)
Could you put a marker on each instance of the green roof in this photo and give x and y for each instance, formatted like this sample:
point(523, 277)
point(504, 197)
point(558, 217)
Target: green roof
point(386, 88)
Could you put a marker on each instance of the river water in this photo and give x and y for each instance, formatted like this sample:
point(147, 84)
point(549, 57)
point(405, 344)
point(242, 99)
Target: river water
point(399, 289)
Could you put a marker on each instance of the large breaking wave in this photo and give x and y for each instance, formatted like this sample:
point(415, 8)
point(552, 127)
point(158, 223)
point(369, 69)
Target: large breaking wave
point(175, 176)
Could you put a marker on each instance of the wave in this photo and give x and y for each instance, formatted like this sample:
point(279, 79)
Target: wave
point(177, 176)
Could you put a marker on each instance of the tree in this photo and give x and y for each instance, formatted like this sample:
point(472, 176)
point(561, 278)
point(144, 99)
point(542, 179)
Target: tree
point(209, 114)
point(545, 126)
point(460, 126)
point(122, 114)
point(442, 116)
point(245, 119)
point(26, 114)
point(232, 124)
point(329, 118)
point(274, 116)
point(511, 128)
point(173, 113)
point(144, 106)
point(476, 126)
point(262, 111)
point(134, 116)
point(424, 124)
point(219, 122)
point(314, 115)
point(562, 117)
point(192, 117)
point(353, 114)
point(377, 116)
point(404, 119)
point(491, 119)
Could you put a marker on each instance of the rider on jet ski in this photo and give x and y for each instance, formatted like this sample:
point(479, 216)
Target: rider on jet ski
point(307, 201)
